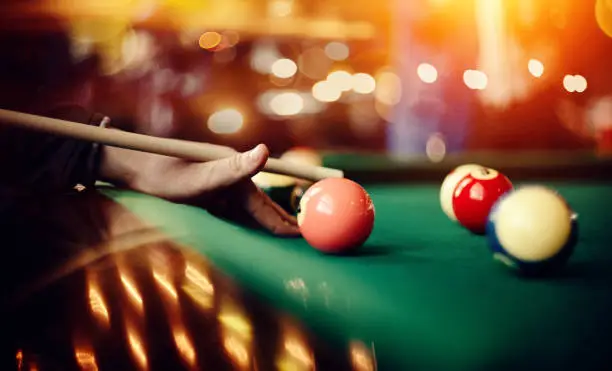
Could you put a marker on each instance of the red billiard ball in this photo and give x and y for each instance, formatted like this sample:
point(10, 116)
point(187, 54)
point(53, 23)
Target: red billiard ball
point(475, 195)
point(336, 215)
point(448, 187)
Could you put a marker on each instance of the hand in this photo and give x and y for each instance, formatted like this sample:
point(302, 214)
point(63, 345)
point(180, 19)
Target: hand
point(224, 186)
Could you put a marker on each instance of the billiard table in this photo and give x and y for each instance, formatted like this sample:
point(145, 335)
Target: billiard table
point(422, 293)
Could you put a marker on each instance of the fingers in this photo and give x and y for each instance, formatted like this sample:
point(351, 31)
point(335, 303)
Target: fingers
point(228, 171)
point(268, 214)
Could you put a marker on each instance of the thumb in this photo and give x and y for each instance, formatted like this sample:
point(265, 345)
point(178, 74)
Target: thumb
point(225, 172)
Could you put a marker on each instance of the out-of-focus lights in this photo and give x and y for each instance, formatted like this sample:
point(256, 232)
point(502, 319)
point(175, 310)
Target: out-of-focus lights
point(225, 55)
point(323, 91)
point(341, 80)
point(435, 147)
point(363, 83)
point(263, 56)
point(427, 73)
point(575, 84)
point(536, 68)
point(337, 51)
point(280, 8)
point(284, 68)
point(287, 104)
point(568, 83)
point(475, 80)
point(580, 83)
point(388, 88)
point(226, 121)
point(310, 104)
point(603, 16)
point(314, 63)
point(231, 38)
point(210, 40)
point(361, 357)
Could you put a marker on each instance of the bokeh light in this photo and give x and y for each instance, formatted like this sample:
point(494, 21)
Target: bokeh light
point(231, 38)
point(436, 147)
point(264, 55)
point(226, 121)
point(284, 68)
point(475, 80)
point(427, 73)
point(603, 16)
point(536, 68)
point(323, 91)
point(210, 40)
point(314, 63)
point(341, 80)
point(280, 8)
point(568, 83)
point(287, 104)
point(337, 51)
point(580, 83)
point(575, 84)
point(363, 83)
point(388, 88)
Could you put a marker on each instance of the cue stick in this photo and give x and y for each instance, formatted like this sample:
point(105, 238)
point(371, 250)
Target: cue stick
point(188, 150)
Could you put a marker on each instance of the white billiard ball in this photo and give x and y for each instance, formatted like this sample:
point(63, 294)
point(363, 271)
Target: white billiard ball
point(532, 229)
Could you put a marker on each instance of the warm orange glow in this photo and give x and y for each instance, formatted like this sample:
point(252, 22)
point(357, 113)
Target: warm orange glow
point(237, 323)
point(210, 40)
point(287, 104)
point(237, 350)
point(97, 305)
point(132, 291)
point(323, 91)
point(388, 88)
point(164, 283)
point(536, 68)
point(568, 83)
point(575, 84)
point(231, 38)
point(361, 357)
point(363, 83)
point(427, 73)
point(580, 83)
point(137, 347)
point(294, 352)
point(280, 8)
point(314, 63)
point(299, 351)
point(19, 359)
point(86, 359)
point(284, 68)
point(603, 16)
point(337, 51)
point(341, 80)
point(184, 345)
point(198, 287)
point(199, 279)
point(226, 121)
point(475, 80)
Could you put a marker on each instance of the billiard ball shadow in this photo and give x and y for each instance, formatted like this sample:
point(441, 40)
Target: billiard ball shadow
point(371, 250)
point(587, 272)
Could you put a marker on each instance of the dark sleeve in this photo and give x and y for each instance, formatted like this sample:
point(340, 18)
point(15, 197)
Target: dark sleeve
point(42, 163)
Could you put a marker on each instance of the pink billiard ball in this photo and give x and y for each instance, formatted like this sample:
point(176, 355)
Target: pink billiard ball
point(336, 215)
point(475, 195)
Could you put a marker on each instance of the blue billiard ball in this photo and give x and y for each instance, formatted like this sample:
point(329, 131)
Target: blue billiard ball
point(533, 230)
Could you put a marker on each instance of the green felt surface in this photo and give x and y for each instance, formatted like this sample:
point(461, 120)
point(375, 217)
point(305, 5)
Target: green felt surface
point(423, 292)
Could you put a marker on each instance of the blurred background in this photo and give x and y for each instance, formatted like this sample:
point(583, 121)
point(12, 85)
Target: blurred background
point(396, 77)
